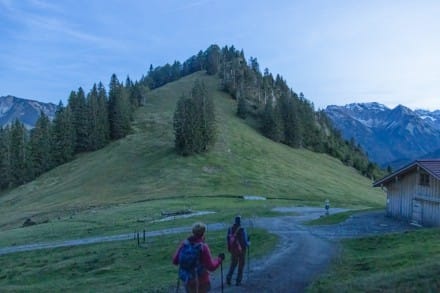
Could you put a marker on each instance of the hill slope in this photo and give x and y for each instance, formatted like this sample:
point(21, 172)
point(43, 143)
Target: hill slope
point(144, 166)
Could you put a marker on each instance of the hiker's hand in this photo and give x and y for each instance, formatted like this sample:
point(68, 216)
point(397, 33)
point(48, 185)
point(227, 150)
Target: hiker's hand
point(222, 256)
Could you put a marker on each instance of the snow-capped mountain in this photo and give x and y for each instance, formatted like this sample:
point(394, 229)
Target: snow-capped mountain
point(391, 137)
point(27, 111)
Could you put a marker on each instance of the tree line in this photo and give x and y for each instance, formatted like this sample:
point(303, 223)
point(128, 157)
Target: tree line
point(88, 123)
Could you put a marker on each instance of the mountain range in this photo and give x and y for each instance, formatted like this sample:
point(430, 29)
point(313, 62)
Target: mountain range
point(391, 137)
point(26, 111)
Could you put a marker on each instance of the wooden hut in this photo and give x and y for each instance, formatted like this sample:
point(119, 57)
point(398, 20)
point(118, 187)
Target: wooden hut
point(413, 192)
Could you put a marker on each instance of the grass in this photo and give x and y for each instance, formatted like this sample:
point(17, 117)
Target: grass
point(125, 186)
point(108, 267)
point(401, 262)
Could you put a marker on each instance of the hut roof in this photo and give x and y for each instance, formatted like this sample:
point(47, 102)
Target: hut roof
point(431, 166)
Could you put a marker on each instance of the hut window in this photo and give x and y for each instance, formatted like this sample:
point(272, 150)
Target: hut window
point(424, 179)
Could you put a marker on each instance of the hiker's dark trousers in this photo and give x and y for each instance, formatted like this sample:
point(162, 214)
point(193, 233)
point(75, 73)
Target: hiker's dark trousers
point(236, 259)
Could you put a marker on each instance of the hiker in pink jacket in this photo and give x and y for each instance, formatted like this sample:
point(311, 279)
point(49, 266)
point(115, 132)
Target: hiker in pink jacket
point(196, 277)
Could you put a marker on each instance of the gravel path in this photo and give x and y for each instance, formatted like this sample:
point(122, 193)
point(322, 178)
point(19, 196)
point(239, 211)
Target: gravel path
point(304, 252)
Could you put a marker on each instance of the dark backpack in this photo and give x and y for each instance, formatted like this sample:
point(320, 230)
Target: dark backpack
point(234, 245)
point(189, 261)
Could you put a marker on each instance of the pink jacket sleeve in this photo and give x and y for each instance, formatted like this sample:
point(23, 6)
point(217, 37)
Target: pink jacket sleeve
point(207, 261)
point(176, 255)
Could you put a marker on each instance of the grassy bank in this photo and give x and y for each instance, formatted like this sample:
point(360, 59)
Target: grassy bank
point(407, 262)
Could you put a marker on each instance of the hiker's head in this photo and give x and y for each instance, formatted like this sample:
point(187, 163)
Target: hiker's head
point(198, 229)
point(238, 220)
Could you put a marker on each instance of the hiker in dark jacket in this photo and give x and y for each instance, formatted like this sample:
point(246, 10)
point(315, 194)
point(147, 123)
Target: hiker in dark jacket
point(238, 256)
point(202, 283)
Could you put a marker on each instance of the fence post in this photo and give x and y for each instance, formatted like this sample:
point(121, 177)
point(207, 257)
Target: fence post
point(144, 235)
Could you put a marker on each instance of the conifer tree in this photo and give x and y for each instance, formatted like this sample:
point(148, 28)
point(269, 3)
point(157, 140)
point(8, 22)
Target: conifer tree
point(185, 126)
point(212, 59)
point(206, 129)
point(242, 108)
point(18, 154)
point(77, 105)
point(103, 117)
point(5, 169)
point(119, 109)
point(63, 136)
point(93, 129)
point(40, 146)
point(194, 122)
point(272, 124)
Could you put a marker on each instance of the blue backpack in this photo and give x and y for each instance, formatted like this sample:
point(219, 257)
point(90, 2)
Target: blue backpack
point(189, 261)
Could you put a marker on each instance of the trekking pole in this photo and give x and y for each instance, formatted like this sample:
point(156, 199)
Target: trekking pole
point(248, 257)
point(221, 272)
point(178, 285)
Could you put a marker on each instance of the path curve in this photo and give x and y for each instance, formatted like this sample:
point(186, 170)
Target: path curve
point(304, 252)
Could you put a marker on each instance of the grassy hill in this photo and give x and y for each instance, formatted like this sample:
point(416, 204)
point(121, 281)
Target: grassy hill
point(125, 187)
point(143, 166)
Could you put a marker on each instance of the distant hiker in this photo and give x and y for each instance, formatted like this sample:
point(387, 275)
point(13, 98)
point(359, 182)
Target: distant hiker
point(237, 240)
point(195, 260)
point(327, 206)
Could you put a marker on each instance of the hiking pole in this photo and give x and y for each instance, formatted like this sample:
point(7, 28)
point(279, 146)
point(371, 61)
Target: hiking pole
point(221, 272)
point(178, 285)
point(248, 257)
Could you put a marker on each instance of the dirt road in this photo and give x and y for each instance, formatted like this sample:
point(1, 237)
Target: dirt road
point(304, 252)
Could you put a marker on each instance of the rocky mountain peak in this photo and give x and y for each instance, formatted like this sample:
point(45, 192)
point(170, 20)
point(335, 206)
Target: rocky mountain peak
point(389, 136)
point(27, 111)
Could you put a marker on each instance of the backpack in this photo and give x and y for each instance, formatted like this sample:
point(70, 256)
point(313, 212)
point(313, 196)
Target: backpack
point(234, 245)
point(189, 261)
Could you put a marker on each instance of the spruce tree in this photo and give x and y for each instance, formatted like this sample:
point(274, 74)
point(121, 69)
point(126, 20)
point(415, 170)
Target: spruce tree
point(63, 136)
point(5, 168)
point(40, 146)
point(77, 105)
point(119, 109)
point(93, 130)
point(18, 153)
point(194, 122)
point(103, 117)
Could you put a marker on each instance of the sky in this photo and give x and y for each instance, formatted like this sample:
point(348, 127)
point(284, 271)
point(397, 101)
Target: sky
point(335, 52)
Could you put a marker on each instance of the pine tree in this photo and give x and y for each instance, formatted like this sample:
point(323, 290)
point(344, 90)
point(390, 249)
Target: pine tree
point(18, 154)
point(119, 109)
point(212, 59)
point(5, 168)
point(242, 108)
point(77, 105)
point(93, 129)
point(40, 146)
point(63, 136)
point(206, 129)
point(184, 124)
point(194, 122)
point(103, 117)
point(271, 122)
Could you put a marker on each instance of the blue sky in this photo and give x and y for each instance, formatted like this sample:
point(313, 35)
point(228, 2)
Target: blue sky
point(335, 52)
